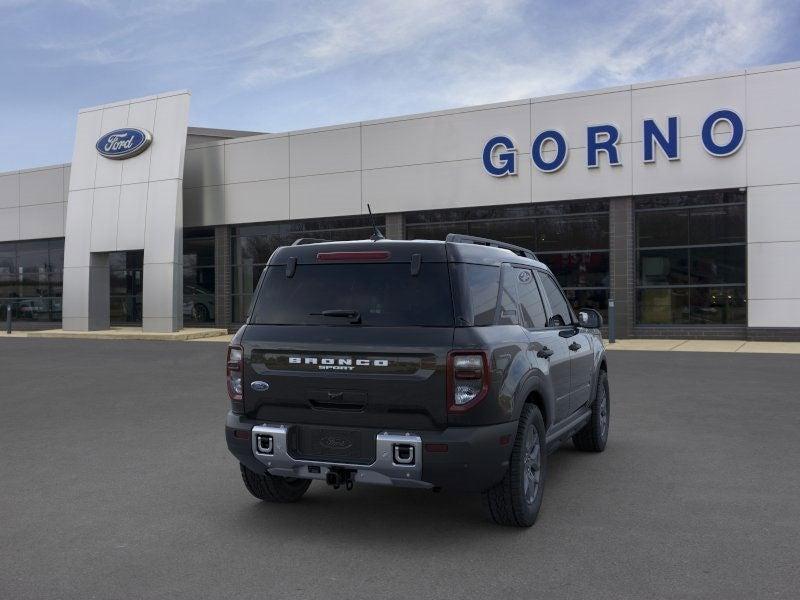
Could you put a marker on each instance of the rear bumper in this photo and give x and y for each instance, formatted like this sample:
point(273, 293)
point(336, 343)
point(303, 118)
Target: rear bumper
point(468, 459)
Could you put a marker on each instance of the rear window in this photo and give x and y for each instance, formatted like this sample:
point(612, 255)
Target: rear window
point(385, 295)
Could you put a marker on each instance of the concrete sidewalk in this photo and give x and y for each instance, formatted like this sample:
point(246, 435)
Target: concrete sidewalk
point(122, 333)
point(706, 346)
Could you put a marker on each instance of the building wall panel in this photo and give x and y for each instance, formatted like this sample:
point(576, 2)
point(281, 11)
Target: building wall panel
point(326, 151)
point(204, 166)
point(41, 221)
point(443, 138)
point(442, 185)
point(773, 156)
point(9, 190)
point(44, 186)
point(257, 201)
point(9, 224)
point(328, 195)
point(259, 160)
point(141, 114)
point(773, 99)
point(105, 219)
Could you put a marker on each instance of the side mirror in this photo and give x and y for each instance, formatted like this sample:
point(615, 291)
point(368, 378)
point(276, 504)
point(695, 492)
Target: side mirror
point(590, 318)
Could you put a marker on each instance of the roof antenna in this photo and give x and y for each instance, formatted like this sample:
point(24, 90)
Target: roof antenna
point(377, 235)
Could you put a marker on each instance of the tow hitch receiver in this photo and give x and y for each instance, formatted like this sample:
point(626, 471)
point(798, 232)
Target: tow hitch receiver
point(338, 476)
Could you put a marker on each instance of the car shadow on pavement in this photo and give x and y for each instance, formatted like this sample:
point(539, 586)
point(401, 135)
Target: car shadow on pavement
point(403, 514)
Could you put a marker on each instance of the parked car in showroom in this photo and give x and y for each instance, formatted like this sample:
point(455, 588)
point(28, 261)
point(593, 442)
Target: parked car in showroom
point(198, 303)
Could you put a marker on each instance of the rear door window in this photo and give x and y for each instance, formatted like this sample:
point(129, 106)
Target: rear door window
point(383, 294)
point(530, 300)
point(561, 314)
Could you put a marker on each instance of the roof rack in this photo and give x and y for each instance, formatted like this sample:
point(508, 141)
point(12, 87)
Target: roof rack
point(459, 238)
point(304, 241)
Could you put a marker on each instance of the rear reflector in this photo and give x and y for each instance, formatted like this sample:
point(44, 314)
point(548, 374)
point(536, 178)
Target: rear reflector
point(435, 447)
point(242, 434)
point(371, 255)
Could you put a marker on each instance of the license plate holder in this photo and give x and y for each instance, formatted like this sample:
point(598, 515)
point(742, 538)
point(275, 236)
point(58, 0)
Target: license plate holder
point(332, 444)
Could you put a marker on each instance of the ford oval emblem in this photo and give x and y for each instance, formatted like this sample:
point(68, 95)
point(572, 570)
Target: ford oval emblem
point(259, 386)
point(123, 143)
point(333, 442)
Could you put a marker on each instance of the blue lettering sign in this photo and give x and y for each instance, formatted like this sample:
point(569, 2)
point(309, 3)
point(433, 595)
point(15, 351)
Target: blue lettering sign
point(561, 151)
point(500, 152)
point(652, 135)
point(507, 158)
point(707, 135)
point(602, 138)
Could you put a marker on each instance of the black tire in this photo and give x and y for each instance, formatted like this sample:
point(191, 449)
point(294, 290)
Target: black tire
point(273, 489)
point(594, 435)
point(516, 500)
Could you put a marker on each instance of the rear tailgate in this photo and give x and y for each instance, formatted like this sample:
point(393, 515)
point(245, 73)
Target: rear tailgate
point(351, 334)
point(347, 375)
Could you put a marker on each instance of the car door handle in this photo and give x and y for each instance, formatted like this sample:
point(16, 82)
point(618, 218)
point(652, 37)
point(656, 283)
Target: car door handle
point(545, 352)
point(574, 346)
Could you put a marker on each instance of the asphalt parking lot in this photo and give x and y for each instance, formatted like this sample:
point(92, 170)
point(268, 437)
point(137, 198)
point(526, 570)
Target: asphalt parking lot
point(115, 482)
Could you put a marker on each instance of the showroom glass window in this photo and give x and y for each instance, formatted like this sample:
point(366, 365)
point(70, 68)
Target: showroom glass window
point(125, 269)
point(31, 276)
point(569, 237)
point(252, 246)
point(691, 259)
point(198, 276)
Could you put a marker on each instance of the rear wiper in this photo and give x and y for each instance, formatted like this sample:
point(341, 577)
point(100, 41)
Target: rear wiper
point(353, 315)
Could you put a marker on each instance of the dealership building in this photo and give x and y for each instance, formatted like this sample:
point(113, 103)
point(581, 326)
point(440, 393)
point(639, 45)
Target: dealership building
point(677, 200)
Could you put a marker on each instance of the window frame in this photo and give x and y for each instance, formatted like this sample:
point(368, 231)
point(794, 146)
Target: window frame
point(545, 302)
point(688, 247)
point(540, 273)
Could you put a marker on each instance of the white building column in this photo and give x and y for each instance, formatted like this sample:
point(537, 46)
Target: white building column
point(130, 204)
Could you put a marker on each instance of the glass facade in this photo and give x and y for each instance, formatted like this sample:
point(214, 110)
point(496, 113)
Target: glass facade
point(126, 287)
point(31, 276)
point(252, 245)
point(198, 276)
point(569, 237)
point(691, 259)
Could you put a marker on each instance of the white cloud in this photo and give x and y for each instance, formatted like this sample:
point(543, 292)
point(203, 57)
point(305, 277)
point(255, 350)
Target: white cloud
point(455, 53)
point(468, 51)
point(329, 38)
point(673, 40)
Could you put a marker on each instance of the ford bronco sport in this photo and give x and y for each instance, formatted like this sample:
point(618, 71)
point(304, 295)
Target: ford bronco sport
point(426, 364)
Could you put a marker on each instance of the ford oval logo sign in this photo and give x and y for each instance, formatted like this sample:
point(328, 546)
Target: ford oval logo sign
point(123, 143)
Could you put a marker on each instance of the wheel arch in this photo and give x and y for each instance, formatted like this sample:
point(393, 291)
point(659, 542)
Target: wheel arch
point(537, 400)
point(602, 367)
point(535, 390)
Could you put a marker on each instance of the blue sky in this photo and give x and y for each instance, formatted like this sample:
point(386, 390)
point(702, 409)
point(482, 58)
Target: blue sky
point(277, 66)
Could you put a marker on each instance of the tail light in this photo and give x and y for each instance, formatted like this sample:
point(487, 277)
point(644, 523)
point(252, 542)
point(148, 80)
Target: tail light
point(234, 370)
point(467, 379)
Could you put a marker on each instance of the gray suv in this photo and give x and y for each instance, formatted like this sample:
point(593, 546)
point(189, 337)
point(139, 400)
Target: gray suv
point(427, 364)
